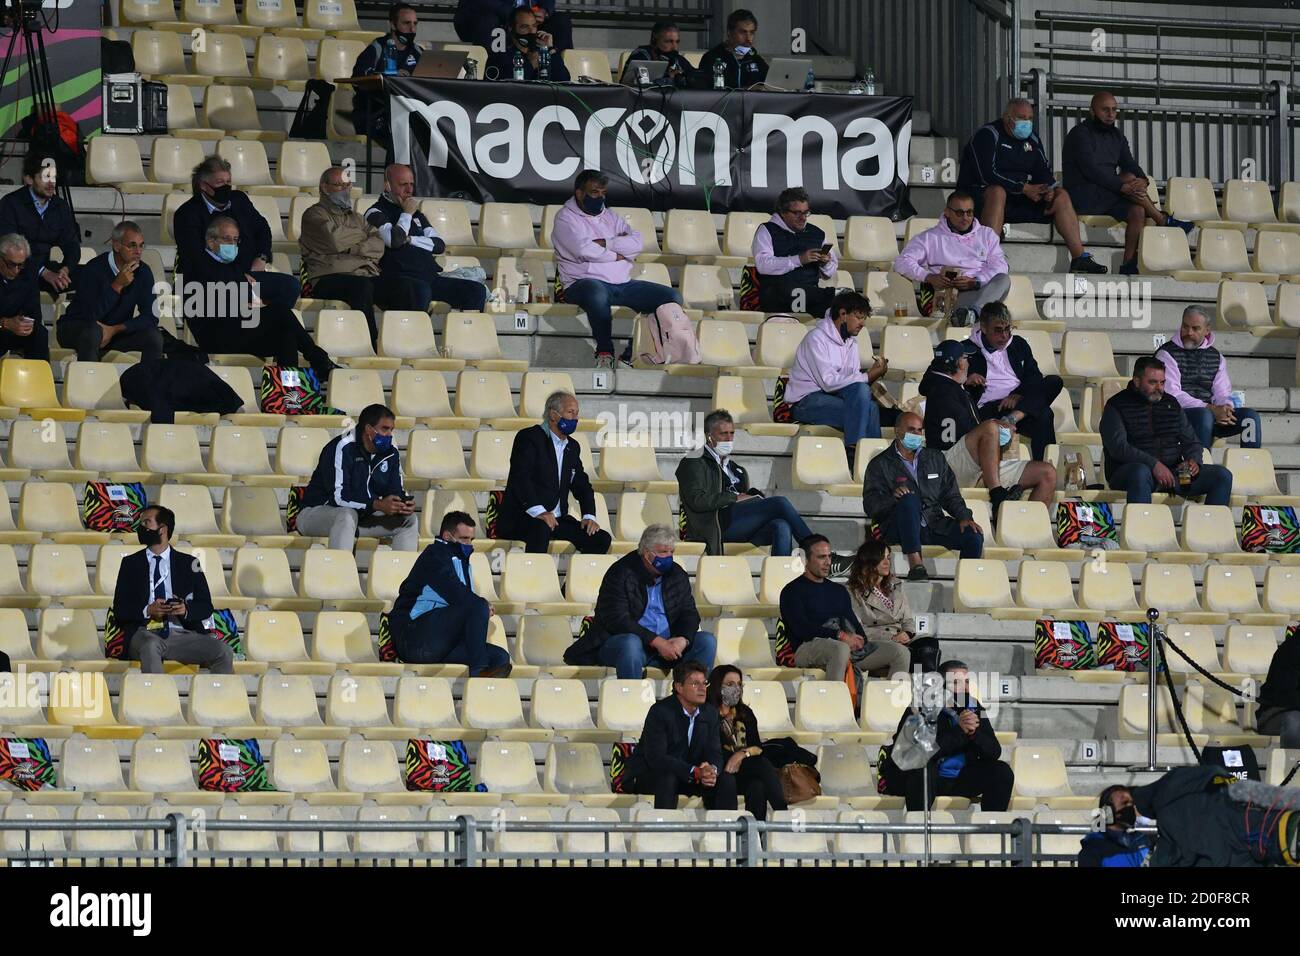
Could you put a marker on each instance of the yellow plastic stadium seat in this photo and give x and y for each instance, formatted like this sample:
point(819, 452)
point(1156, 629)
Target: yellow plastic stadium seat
point(183, 121)
point(159, 55)
point(907, 348)
point(338, 18)
point(1107, 587)
point(222, 57)
point(493, 705)
point(1282, 590)
point(738, 232)
point(746, 399)
point(371, 767)
point(95, 386)
point(288, 700)
point(846, 773)
point(778, 342)
point(592, 63)
point(1170, 588)
point(233, 110)
point(408, 335)
point(1249, 649)
point(537, 387)
point(437, 456)
point(1210, 529)
point(253, 513)
point(298, 450)
point(301, 766)
point(1150, 528)
point(622, 704)
point(241, 451)
point(1231, 590)
point(331, 576)
point(585, 574)
point(1087, 355)
point(28, 385)
point(335, 57)
point(54, 509)
point(725, 582)
point(68, 634)
point(703, 286)
point(532, 579)
point(768, 702)
point(691, 233)
point(472, 336)
point(115, 161)
point(283, 60)
point(174, 450)
point(1245, 304)
point(577, 769)
point(744, 642)
point(343, 638)
point(1041, 779)
point(94, 767)
point(917, 225)
point(1163, 250)
point(486, 395)
point(107, 565)
point(31, 450)
point(344, 334)
point(163, 767)
point(215, 13)
point(982, 586)
point(172, 160)
point(249, 167)
point(824, 707)
point(637, 510)
point(506, 226)
point(870, 239)
point(263, 573)
point(726, 345)
point(883, 703)
point(776, 574)
point(107, 448)
point(1278, 252)
point(1224, 250)
point(634, 466)
point(1192, 198)
point(153, 13)
point(1253, 477)
point(642, 220)
point(489, 455)
point(1282, 762)
point(1198, 641)
point(1251, 202)
point(279, 16)
point(1219, 718)
point(357, 702)
point(1288, 203)
point(507, 767)
point(821, 464)
point(425, 703)
point(798, 846)
point(353, 389)
point(220, 700)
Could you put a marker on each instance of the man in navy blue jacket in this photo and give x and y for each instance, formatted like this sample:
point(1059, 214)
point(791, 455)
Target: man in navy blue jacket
point(214, 196)
point(37, 212)
point(437, 618)
point(523, 33)
point(1116, 846)
point(114, 304)
point(357, 488)
point(21, 329)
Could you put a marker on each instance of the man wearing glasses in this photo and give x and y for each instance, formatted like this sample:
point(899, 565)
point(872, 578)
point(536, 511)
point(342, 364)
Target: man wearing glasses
point(792, 257)
point(1105, 180)
point(21, 329)
point(958, 253)
point(1005, 381)
point(680, 749)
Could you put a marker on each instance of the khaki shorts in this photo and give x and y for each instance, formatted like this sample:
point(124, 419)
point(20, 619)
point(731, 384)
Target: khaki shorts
point(967, 469)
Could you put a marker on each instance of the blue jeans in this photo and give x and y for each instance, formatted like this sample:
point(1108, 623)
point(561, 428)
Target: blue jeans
point(1139, 482)
point(276, 288)
point(852, 410)
point(903, 525)
point(452, 635)
point(767, 521)
point(1207, 429)
point(627, 655)
point(596, 298)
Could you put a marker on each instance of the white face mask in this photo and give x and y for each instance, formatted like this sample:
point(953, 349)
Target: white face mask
point(743, 51)
point(723, 448)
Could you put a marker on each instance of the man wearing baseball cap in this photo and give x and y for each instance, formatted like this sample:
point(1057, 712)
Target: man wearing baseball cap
point(974, 449)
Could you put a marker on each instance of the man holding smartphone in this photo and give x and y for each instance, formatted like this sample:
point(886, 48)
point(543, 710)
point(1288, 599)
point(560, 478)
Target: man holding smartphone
point(357, 488)
point(161, 601)
point(792, 256)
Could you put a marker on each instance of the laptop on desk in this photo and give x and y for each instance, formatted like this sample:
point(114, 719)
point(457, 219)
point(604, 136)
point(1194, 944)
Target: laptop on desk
point(435, 65)
point(786, 74)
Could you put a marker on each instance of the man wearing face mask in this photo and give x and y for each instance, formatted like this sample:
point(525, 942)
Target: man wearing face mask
point(525, 36)
point(719, 503)
point(595, 248)
point(827, 385)
point(161, 600)
point(409, 276)
point(341, 252)
point(664, 39)
point(437, 618)
point(393, 54)
point(791, 256)
point(958, 242)
point(911, 495)
point(1149, 444)
point(357, 488)
point(742, 67)
point(214, 196)
point(1005, 169)
point(1117, 845)
point(645, 614)
point(545, 466)
point(228, 314)
point(973, 448)
point(36, 211)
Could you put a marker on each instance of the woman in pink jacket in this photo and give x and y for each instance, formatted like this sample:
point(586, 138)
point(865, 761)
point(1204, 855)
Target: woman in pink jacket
point(827, 385)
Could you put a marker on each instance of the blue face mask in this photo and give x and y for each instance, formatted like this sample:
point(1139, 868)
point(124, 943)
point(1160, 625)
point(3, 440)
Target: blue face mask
point(593, 205)
point(228, 251)
point(382, 442)
point(1004, 436)
point(913, 442)
point(663, 563)
point(465, 550)
point(1022, 129)
point(567, 426)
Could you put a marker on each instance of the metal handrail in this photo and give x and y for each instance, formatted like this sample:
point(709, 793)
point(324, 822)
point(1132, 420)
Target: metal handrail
point(1164, 24)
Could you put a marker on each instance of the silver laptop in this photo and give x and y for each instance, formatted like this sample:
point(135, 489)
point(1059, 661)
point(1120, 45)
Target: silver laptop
point(787, 73)
point(655, 70)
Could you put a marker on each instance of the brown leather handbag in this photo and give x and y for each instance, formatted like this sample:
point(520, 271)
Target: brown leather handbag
point(799, 782)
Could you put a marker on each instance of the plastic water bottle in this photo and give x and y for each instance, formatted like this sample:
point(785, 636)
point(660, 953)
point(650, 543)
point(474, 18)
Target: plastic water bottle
point(857, 88)
point(471, 70)
point(869, 81)
point(518, 67)
point(544, 64)
point(719, 78)
point(810, 82)
point(390, 58)
point(524, 295)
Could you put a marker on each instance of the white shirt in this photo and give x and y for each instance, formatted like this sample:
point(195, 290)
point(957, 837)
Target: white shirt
point(166, 575)
point(690, 727)
point(725, 464)
point(212, 208)
point(560, 442)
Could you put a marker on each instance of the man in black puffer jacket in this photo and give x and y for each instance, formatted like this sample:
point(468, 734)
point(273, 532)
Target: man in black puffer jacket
point(1148, 443)
point(645, 613)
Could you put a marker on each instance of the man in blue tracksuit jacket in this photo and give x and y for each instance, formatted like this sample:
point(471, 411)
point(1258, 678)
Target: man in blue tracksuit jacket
point(437, 618)
point(1117, 845)
point(357, 488)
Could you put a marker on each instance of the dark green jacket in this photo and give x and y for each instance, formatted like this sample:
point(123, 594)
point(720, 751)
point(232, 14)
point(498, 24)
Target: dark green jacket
point(705, 498)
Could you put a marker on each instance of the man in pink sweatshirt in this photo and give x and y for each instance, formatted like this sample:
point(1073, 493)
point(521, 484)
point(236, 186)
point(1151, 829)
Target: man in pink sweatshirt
point(594, 251)
point(1196, 375)
point(827, 385)
point(960, 243)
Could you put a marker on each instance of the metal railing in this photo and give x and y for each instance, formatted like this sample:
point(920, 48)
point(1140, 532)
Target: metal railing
point(469, 842)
